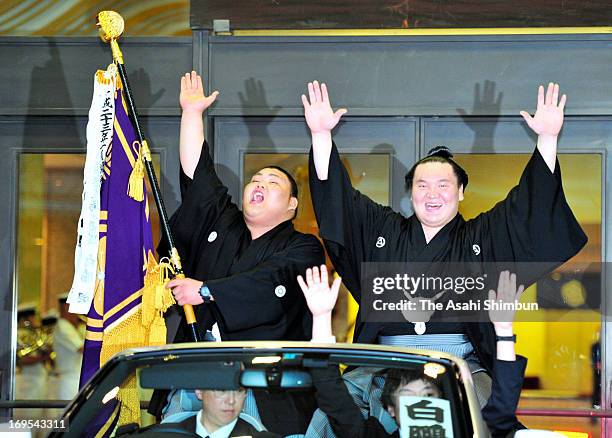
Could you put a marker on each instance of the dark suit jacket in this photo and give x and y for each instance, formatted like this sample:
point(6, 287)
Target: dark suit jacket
point(242, 428)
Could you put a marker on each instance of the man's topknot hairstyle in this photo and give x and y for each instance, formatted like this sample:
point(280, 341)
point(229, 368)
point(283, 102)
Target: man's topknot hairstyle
point(439, 154)
point(440, 151)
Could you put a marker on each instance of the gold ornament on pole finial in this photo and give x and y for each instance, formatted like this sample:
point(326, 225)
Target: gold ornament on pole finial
point(111, 26)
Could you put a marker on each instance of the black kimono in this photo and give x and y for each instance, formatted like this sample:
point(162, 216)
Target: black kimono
point(253, 282)
point(533, 224)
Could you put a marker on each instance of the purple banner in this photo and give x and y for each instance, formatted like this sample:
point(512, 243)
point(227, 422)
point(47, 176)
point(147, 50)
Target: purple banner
point(125, 239)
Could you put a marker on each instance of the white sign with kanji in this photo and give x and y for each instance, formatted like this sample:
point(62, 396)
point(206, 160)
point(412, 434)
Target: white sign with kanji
point(425, 417)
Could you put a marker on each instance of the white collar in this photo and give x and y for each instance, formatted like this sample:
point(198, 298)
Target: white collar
point(222, 432)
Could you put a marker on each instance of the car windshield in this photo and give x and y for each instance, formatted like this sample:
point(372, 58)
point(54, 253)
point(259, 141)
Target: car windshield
point(291, 391)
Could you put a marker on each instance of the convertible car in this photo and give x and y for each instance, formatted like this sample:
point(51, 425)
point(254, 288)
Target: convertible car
point(297, 388)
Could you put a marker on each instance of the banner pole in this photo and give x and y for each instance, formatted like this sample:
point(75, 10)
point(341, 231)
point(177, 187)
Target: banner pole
point(111, 27)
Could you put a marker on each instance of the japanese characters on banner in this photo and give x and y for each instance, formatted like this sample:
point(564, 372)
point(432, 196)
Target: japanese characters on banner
point(99, 137)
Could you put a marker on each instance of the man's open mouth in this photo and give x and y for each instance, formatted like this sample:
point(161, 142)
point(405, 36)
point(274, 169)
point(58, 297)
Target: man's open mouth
point(257, 197)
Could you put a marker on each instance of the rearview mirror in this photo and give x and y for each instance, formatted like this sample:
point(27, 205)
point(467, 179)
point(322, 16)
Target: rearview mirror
point(275, 377)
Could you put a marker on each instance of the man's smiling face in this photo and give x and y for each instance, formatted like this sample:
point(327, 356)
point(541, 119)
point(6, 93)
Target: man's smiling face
point(435, 194)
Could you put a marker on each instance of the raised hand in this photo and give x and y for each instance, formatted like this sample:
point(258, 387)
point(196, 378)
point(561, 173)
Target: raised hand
point(320, 298)
point(548, 118)
point(318, 112)
point(193, 102)
point(507, 292)
point(547, 122)
point(321, 119)
point(192, 96)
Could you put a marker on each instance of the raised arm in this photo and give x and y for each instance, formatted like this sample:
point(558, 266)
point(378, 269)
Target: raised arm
point(193, 103)
point(332, 395)
point(507, 292)
point(534, 223)
point(349, 222)
point(321, 299)
point(508, 368)
point(547, 122)
point(321, 119)
point(204, 197)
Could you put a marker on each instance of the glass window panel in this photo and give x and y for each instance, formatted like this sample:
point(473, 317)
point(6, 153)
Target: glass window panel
point(50, 190)
point(560, 372)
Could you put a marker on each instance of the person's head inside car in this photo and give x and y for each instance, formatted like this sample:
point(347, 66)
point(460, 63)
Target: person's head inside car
point(220, 408)
point(401, 382)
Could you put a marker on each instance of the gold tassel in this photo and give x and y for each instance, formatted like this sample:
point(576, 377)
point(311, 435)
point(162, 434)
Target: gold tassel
point(136, 181)
point(129, 396)
point(144, 327)
point(166, 273)
point(156, 299)
point(148, 292)
point(157, 331)
point(129, 333)
point(147, 311)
